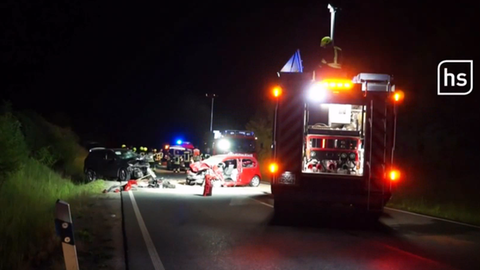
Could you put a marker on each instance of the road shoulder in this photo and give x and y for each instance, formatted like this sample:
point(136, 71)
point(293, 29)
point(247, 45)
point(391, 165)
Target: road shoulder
point(99, 233)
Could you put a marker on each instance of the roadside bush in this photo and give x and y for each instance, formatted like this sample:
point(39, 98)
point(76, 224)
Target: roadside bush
point(69, 152)
point(52, 145)
point(13, 146)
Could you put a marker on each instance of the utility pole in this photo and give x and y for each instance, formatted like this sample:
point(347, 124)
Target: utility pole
point(213, 96)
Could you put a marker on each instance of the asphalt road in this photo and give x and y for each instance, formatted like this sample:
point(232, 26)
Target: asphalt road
point(237, 229)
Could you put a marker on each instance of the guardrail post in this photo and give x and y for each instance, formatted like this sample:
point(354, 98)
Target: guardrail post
point(64, 228)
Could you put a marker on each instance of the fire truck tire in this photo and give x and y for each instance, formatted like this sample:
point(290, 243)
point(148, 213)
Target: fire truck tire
point(255, 182)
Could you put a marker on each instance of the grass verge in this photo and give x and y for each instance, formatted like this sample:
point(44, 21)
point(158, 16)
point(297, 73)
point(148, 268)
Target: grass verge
point(452, 211)
point(27, 218)
point(443, 195)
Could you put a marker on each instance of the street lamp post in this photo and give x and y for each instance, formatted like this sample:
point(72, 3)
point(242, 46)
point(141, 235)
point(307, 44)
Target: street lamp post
point(213, 96)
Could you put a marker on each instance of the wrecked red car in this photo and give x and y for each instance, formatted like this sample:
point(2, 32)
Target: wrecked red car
point(236, 169)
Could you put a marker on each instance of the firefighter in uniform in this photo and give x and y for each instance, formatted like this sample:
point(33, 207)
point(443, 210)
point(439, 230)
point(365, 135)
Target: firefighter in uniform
point(331, 64)
point(158, 157)
point(151, 159)
point(177, 162)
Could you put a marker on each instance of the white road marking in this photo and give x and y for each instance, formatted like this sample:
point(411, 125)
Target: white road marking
point(430, 217)
point(157, 263)
point(260, 202)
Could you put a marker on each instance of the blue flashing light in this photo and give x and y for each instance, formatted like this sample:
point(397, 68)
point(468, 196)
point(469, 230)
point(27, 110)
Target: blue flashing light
point(179, 141)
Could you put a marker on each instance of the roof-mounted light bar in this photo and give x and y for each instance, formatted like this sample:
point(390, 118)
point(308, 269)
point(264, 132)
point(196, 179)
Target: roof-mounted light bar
point(337, 84)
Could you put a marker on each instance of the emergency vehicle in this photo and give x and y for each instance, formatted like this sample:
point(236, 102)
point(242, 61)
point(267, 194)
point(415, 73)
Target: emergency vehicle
point(333, 138)
point(334, 141)
point(180, 156)
point(234, 141)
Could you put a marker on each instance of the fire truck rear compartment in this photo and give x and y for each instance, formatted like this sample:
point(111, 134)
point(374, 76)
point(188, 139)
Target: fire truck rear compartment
point(333, 143)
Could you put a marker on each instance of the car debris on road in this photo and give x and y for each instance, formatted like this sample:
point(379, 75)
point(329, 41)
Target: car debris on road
point(134, 184)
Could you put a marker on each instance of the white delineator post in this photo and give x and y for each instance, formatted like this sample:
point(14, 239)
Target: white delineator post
point(64, 228)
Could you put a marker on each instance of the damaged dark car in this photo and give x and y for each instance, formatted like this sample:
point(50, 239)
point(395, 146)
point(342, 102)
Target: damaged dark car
point(114, 164)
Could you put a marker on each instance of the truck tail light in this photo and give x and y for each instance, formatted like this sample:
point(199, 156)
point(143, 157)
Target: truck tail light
point(398, 96)
point(394, 175)
point(273, 167)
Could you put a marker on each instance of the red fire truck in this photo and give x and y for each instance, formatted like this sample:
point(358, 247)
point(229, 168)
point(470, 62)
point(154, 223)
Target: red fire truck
point(334, 141)
point(234, 141)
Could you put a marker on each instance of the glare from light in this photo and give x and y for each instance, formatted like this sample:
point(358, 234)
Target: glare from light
point(394, 175)
point(273, 167)
point(277, 91)
point(179, 141)
point(398, 96)
point(224, 145)
point(316, 93)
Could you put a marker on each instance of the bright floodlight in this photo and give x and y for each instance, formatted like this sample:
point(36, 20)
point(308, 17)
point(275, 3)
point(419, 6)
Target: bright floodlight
point(223, 145)
point(316, 92)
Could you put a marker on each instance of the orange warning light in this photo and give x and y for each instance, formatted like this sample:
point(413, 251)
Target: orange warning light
point(394, 175)
point(277, 91)
point(273, 167)
point(398, 96)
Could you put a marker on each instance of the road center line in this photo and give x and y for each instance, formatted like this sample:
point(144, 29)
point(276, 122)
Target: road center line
point(157, 263)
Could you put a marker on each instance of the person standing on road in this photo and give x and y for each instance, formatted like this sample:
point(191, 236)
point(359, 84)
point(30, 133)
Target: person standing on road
point(207, 191)
point(213, 173)
point(176, 163)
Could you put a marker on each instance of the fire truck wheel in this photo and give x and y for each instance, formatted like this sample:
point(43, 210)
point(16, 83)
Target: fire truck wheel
point(255, 182)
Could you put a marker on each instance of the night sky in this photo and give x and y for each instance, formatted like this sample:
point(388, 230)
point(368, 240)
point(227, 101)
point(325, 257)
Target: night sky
point(137, 72)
